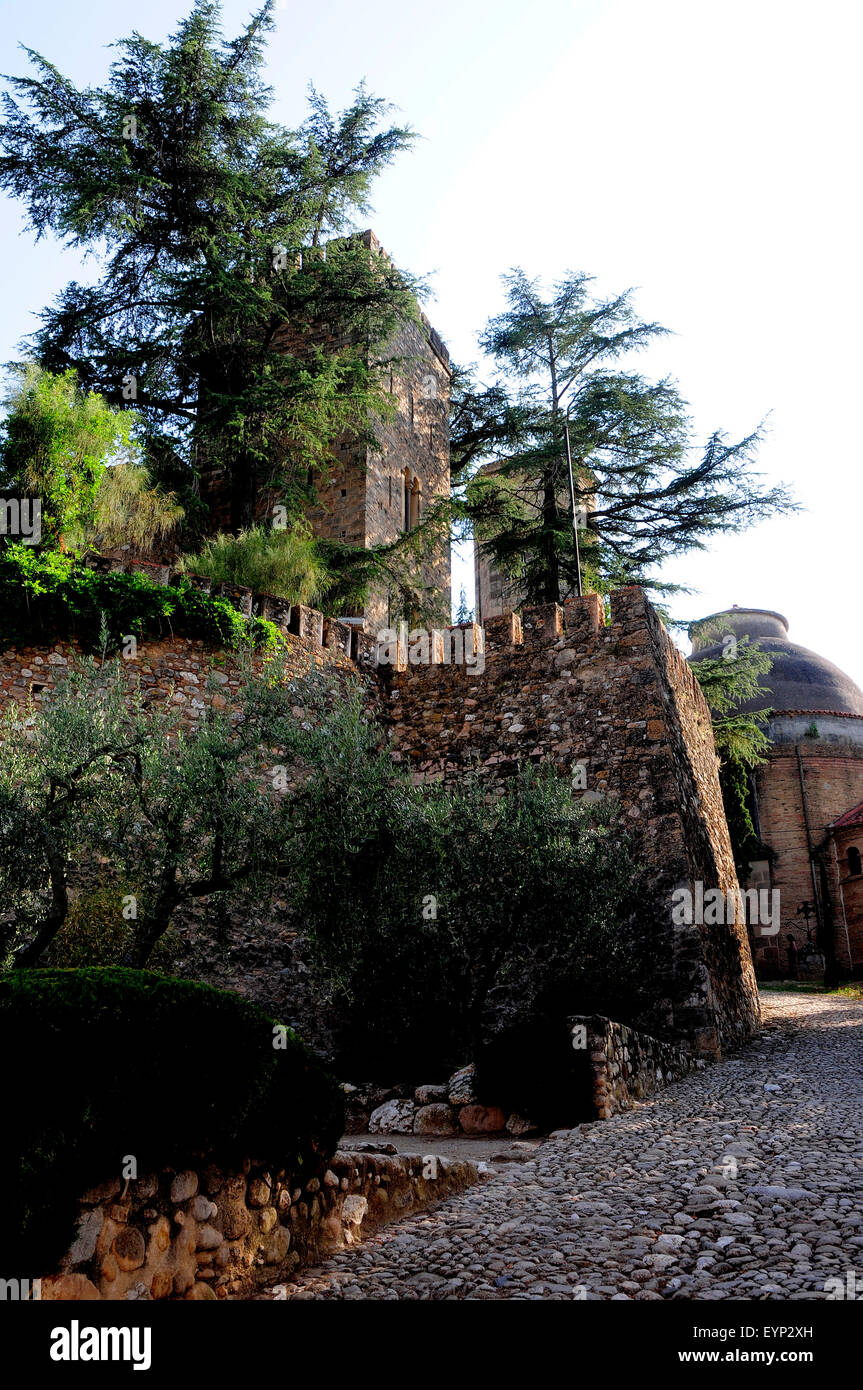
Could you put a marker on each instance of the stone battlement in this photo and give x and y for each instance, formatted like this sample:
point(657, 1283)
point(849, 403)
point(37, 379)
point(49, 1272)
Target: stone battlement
point(616, 709)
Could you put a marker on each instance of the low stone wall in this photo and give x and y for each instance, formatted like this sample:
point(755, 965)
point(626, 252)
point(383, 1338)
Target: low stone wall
point(214, 1233)
point(626, 1066)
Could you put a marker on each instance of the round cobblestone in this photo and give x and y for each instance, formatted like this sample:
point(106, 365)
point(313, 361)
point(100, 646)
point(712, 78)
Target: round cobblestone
point(741, 1182)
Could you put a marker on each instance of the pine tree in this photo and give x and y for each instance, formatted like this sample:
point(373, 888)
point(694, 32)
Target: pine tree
point(463, 613)
point(199, 209)
point(729, 682)
point(642, 495)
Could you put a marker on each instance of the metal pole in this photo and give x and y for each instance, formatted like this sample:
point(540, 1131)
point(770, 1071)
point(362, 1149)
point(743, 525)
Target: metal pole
point(572, 501)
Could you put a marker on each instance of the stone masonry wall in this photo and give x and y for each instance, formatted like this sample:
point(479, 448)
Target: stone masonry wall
point(175, 669)
point(618, 701)
point(212, 1233)
point(626, 1066)
point(621, 702)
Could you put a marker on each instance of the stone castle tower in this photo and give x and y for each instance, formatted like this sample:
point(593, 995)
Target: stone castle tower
point(372, 496)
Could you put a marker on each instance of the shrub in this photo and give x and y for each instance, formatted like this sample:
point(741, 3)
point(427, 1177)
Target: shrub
point(284, 562)
point(47, 593)
point(441, 920)
point(127, 511)
point(184, 815)
point(106, 1063)
point(56, 441)
point(95, 932)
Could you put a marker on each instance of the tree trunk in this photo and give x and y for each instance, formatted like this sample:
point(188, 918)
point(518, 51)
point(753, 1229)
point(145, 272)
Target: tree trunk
point(157, 922)
point(57, 913)
point(244, 492)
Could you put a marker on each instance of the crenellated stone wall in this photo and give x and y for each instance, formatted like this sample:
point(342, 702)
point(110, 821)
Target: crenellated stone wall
point(616, 709)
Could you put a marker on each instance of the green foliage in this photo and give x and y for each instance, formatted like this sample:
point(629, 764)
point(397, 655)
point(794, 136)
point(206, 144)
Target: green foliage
point(729, 681)
point(101, 774)
point(46, 594)
point(95, 1071)
point(646, 497)
point(440, 919)
point(96, 933)
point(128, 511)
point(197, 207)
point(737, 801)
point(395, 567)
point(285, 562)
point(55, 443)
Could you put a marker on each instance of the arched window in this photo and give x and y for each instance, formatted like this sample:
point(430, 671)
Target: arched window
point(855, 866)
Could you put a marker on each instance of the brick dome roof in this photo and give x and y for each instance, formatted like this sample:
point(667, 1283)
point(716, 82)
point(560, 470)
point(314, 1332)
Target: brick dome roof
point(799, 681)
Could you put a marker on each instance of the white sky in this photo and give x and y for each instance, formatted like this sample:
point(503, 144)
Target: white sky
point(707, 154)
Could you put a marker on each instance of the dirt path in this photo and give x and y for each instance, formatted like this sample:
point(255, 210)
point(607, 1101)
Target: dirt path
point(744, 1181)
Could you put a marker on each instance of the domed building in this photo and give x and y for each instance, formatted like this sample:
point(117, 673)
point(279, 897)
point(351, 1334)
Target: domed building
point(806, 799)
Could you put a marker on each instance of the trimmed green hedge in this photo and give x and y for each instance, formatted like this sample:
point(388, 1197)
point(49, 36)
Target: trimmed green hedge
point(104, 1063)
point(44, 593)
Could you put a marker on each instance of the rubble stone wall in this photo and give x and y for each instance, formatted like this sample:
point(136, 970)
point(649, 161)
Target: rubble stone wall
point(626, 1065)
point(215, 1233)
point(616, 708)
point(175, 669)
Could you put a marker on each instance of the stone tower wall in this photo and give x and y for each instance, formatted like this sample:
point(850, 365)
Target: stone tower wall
point(360, 501)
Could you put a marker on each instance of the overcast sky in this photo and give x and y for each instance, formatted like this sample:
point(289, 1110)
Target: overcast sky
point(706, 154)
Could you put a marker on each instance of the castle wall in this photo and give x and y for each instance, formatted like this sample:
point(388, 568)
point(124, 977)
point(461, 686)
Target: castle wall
point(620, 701)
point(174, 669)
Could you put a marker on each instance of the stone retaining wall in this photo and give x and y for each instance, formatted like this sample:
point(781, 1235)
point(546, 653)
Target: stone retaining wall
point(214, 1233)
point(626, 1065)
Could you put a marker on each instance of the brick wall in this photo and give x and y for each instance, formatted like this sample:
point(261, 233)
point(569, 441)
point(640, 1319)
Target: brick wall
point(847, 888)
point(833, 775)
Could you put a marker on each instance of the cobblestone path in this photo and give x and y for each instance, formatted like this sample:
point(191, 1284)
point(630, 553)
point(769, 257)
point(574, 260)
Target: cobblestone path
point(743, 1182)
